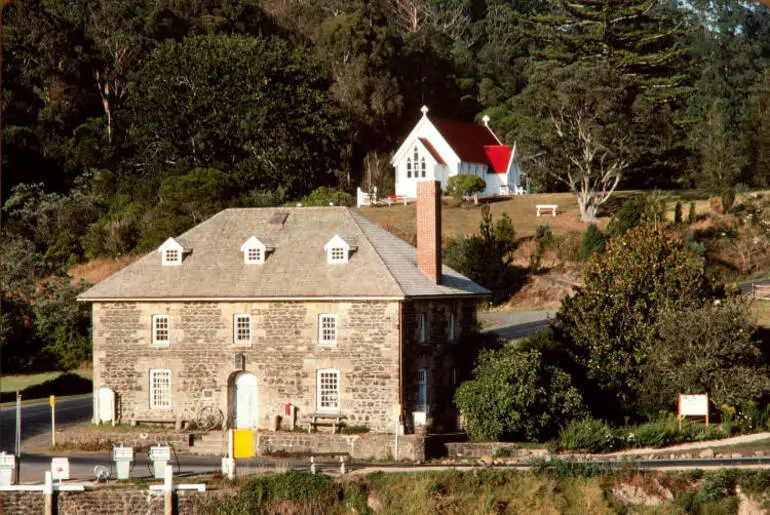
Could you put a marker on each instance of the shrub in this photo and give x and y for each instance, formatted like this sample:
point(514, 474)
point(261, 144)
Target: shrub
point(324, 195)
point(516, 393)
point(657, 434)
point(717, 485)
point(262, 491)
point(543, 239)
point(588, 435)
point(678, 212)
point(629, 215)
point(568, 247)
point(594, 241)
point(560, 469)
point(464, 185)
point(727, 198)
point(691, 215)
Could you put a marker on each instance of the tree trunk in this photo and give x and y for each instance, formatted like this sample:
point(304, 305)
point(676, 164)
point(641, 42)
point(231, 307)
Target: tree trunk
point(588, 209)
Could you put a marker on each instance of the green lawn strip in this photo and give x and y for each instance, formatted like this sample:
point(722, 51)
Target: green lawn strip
point(18, 382)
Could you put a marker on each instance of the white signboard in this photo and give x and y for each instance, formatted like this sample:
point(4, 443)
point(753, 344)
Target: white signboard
point(106, 405)
point(693, 405)
point(60, 469)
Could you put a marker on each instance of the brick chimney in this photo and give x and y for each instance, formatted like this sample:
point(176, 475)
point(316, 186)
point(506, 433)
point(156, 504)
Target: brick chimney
point(429, 229)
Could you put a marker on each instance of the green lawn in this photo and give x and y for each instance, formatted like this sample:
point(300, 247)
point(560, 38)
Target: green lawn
point(14, 382)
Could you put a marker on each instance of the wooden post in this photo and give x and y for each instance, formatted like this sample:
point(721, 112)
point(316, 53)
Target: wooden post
point(48, 493)
point(168, 490)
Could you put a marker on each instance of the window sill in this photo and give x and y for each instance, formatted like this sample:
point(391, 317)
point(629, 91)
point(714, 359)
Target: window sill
point(241, 344)
point(327, 344)
point(159, 345)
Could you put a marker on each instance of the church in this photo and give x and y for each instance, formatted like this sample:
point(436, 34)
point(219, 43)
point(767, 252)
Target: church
point(437, 149)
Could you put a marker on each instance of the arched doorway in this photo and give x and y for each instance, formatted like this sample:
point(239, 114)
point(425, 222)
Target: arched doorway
point(246, 401)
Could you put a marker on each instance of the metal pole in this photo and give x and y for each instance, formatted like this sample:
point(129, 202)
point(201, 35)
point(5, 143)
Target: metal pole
point(18, 437)
point(53, 424)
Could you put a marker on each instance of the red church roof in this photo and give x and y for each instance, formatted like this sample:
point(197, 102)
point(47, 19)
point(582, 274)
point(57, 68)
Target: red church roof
point(432, 151)
point(467, 139)
point(498, 157)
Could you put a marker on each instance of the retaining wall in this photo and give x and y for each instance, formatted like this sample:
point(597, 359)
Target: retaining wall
point(364, 446)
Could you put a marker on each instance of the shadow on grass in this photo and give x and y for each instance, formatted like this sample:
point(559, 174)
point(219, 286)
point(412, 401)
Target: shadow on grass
point(65, 384)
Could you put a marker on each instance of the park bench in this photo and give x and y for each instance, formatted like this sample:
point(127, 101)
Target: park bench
point(178, 423)
point(344, 458)
point(390, 199)
point(547, 207)
point(313, 420)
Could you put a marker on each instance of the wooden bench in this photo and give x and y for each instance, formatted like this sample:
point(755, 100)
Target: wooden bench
point(313, 420)
point(547, 207)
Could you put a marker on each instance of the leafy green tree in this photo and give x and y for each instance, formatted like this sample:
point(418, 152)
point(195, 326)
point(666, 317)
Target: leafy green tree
point(486, 257)
point(325, 196)
point(594, 241)
point(464, 185)
point(252, 107)
point(611, 323)
point(710, 348)
point(516, 394)
point(678, 212)
point(62, 323)
point(197, 195)
point(583, 110)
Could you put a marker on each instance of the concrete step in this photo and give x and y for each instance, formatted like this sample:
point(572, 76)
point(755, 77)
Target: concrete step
point(209, 444)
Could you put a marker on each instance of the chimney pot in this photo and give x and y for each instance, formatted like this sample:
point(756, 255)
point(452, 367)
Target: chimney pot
point(429, 229)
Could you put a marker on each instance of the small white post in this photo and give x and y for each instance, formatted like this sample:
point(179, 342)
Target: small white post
point(312, 465)
point(168, 490)
point(48, 492)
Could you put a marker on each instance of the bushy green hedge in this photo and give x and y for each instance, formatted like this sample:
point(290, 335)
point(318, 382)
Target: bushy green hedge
point(596, 436)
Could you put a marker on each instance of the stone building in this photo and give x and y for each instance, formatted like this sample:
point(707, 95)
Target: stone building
point(257, 308)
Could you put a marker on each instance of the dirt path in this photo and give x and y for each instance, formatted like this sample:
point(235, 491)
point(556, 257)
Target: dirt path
point(708, 444)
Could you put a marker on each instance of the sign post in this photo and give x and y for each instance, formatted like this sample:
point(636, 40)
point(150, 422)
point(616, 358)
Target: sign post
point(18, 437)
point(52, 402)
point(693, 406)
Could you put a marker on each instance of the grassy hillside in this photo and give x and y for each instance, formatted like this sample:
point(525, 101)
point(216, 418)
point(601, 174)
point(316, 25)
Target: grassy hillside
point(457, 218)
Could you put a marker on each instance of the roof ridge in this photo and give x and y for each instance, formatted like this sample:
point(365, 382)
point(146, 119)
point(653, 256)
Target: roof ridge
point(354, 217)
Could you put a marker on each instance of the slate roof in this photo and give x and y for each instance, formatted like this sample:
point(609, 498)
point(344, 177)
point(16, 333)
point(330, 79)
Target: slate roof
point(382, 266)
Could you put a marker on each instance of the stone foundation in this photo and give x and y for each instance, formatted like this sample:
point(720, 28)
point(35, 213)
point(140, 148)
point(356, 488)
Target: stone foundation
point(140, 437)
point(481, 450)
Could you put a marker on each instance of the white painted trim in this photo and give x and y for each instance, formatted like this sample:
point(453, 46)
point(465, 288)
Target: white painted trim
point(237, 316)
point(318, 406)
point(154, 372)
point(321, 340)
point(155, 341)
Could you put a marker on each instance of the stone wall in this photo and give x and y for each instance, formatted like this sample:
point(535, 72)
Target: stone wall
point(480, 450)
point(139, 437)
point(437, 354)
point(284, 355)
point(364, 446)
point(108, 501)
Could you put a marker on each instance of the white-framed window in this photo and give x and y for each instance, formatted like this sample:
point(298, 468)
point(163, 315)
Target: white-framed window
point(254, 255)
point(337, 254)
point(160, 389)
point(422, 167)
point(172, 256)
point(409, 168)
point(242, 329)
point(160, 330)
point(421, 328)
point(327, 329)
point(328, 390)
point(451, 335)
point(422, 389)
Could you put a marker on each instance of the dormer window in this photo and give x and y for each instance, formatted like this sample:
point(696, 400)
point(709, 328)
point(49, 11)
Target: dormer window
point(255, 249)
point(338, 250)
point(172, 252)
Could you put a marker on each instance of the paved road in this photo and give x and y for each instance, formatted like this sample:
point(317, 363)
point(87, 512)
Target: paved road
point(512, 325)
point(36, 419)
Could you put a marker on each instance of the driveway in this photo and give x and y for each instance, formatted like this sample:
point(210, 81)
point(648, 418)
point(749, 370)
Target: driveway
point(512, 325)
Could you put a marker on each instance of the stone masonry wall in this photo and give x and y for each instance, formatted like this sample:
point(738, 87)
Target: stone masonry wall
point(284, 355)
point(437, 354)
point(109, 501)
point(364, 446)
